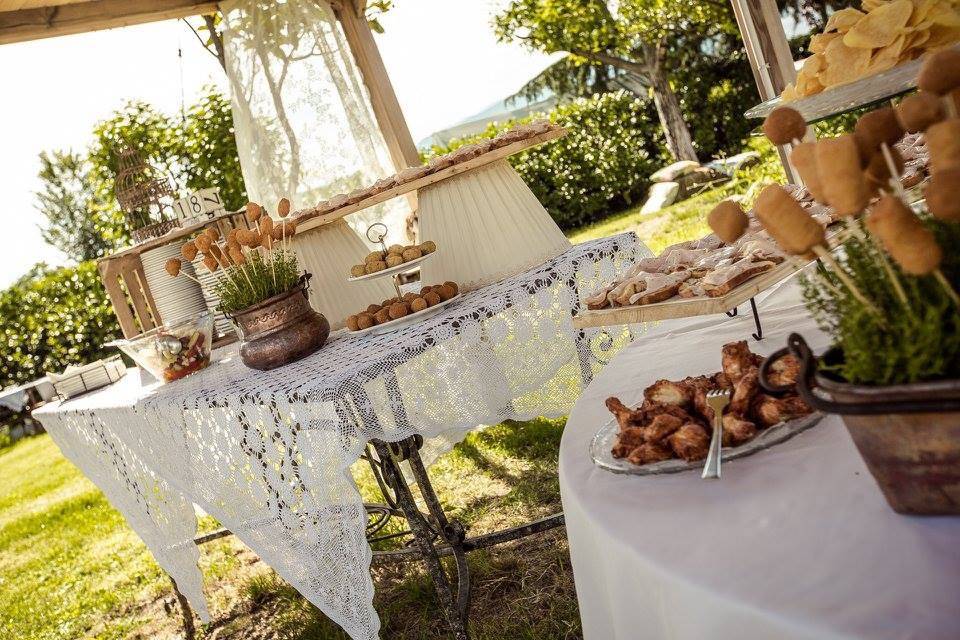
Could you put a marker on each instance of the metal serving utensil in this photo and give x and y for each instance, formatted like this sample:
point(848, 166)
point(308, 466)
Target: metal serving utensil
point(718, 401)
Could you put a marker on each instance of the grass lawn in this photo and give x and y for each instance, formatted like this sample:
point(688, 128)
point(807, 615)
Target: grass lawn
point(71, 568)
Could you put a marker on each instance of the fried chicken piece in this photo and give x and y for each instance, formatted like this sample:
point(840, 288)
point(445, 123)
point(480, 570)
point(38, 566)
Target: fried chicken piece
point(668, 392)
point(650, 452)
point(743, 393)
point(651, 410)
point(690, 442)
point(627, 440)
point(736, 430)
point(626, 417)
point(769, 410)
point(737, 359)
point(721, 381)
point(703, 383)
point(701, 406)
point(784, 371)
point(661, 427)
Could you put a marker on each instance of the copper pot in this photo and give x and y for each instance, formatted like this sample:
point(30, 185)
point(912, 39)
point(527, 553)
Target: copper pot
point(280, 330)
point(907, 434)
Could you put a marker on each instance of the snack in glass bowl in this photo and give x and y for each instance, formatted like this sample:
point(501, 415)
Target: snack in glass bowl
point(173, 351)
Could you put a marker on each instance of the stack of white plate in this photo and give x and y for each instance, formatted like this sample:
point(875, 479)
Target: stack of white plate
point(177, 298)
point(77, 380)
point(222, 325)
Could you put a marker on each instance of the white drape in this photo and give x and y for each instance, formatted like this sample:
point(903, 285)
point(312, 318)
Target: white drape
point(304, 126)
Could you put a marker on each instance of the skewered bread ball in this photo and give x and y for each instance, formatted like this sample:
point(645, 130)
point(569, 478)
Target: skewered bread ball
point(353, 323)
point(432, 298)
point(904, 237)
point(446, 292)
point(943, 194)
point(428, 247)
point(411, 254)
point(878, 172)
point(841, 175)
point(784, 125)
point(173, 267)
point(943, 143)
point(917, 112)
point(418, 304)
point(728, 221)
point(398, 310)
point(786, 221)
point(452, 285)
point(203, 243)
point(373, 267)
point(395, 248)
point(283, 208)
point(940, 73)
point(376, 256)
point(213, 233)
point(358, 270)
point(236, 254)
point(876, 128)
point(382, 316)
point(365, 321)
point(804, 159)
point(254, 211)
point(211, 263)
point(188, 251)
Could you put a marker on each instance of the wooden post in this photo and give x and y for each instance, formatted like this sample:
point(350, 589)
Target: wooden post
point(769, 54)
point(383, 99)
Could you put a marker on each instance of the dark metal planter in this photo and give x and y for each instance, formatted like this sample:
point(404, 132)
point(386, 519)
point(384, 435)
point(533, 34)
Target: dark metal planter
point(908, 435)
point(281, 329)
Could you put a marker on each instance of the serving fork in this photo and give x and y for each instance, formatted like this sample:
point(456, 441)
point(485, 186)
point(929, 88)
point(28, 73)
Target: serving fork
point(718, 401)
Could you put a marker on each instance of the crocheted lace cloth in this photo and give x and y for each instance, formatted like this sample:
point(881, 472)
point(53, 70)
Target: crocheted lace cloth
point(269, 453)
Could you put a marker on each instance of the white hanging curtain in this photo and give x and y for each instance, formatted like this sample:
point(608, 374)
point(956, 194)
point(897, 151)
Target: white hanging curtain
point(304, 126)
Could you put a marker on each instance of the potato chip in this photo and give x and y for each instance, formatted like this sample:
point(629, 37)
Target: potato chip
point(844, 64)
point(887, 57)
point(819, 42)
point(870, 5)
point(842, 20)
point(814, 64)
point(941, 36)
point(880, 27)
point(945, 14)
point(789, 93)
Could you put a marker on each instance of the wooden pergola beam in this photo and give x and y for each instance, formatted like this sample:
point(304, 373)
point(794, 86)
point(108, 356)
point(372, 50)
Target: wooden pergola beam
point(60, 20)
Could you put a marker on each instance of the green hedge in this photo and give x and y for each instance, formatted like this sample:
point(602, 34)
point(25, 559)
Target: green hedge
point(601, 166)
point(60, 317)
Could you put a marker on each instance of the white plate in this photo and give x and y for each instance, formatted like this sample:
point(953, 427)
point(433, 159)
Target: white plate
point(603, 441)
point(387, 327)
point(389, 271)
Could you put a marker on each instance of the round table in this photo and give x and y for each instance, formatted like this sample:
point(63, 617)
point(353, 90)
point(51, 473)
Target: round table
point(794, 542)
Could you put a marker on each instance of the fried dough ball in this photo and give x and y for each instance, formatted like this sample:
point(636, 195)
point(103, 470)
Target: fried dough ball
point(386, 303)
point(398, 310)
point(211, 264)
point(353, 323)
point(358, 270)
point(373, 267)
point(917, 112)
point(425, 290)
point(728, 221)
point(904, 236)
point(376, 256)
point(365, 321)
point(804, 159)
point(409, 296)
point(254, 211)
point(786, 221)
point(382, 316)
point(188, 251)
point(446, 292)
point(940, 73)
point(213, 233)
point(784, 125)
point(456, 287)
point(943, 194)
point(418, 304)
point(411, 254)
point(874, 129)
point(943, 142)
point(173, 267)
point(373, 308)
point(432, 298)
point(283, 207)
point(395, 249)
point(428, 247)
point(841, 175)
point(393, 260)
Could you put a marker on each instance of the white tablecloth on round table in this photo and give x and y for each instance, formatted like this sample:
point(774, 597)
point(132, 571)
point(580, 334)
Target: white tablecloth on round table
point(269, 453)
point(793, 542)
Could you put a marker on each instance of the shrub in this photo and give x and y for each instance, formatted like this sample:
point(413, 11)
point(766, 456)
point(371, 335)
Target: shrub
point(602, 165)
point(59, 317)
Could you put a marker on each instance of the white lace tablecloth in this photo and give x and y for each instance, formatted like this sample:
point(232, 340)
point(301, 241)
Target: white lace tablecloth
point(269, 453)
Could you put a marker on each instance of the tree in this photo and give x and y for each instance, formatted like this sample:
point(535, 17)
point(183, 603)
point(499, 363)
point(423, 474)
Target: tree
point(637, 39)
point(78, 222)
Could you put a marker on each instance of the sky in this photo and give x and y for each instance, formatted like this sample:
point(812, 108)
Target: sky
point(442, 57)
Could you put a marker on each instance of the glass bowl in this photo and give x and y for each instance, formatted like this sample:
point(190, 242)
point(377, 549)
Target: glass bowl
point(174, 350)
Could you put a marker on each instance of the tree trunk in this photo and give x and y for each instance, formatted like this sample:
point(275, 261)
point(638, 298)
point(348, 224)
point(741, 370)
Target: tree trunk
point(679, 140)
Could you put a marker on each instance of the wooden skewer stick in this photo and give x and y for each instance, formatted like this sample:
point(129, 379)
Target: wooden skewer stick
point(801, 265)
point(898, 189)
point(949, 106)
point(942, 279)
point(824, 255)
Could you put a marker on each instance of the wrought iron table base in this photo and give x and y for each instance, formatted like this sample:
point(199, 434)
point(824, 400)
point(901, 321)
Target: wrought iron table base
point(756, 319)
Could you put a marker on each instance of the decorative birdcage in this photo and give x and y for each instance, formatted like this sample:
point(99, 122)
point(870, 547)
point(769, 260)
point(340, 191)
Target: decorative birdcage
point(144, 194)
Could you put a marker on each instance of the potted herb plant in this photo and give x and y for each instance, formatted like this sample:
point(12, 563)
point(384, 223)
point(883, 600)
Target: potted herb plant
point(261, 288)
point(888, 299)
